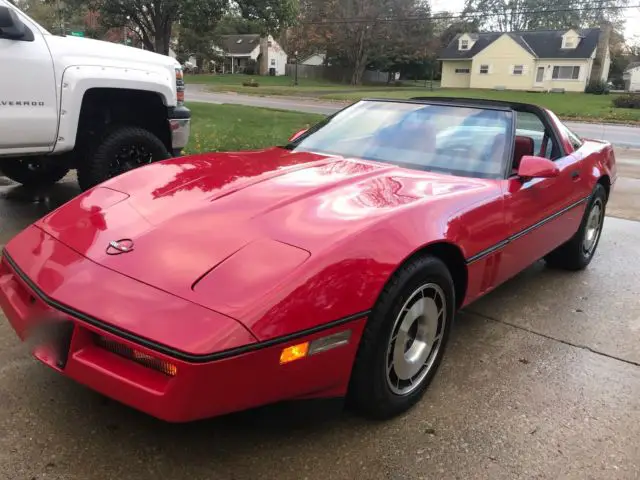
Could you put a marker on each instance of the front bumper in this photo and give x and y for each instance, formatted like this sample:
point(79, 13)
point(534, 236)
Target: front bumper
point(200, 388)
point(180, 126)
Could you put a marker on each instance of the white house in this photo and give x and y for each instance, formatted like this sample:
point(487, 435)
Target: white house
point(631, 77)
point(315, 59)
point(238, 49)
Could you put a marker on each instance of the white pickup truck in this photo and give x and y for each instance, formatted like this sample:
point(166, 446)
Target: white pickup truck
point(75, 103)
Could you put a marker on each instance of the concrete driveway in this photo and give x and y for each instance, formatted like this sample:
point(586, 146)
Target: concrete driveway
point(541, 380)
point(619, 135)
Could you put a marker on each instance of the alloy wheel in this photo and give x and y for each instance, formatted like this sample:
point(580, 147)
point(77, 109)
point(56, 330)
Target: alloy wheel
point(593, 228)
point(416, 339)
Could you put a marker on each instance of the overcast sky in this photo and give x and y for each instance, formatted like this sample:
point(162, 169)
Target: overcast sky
point(632, 15)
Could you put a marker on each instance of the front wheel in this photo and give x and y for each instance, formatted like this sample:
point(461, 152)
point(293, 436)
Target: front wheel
point(34, 171)
point(577, 253)
point(404, 340)
point(122, 149)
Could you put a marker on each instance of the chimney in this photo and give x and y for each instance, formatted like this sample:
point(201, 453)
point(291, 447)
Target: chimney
point(600, 69)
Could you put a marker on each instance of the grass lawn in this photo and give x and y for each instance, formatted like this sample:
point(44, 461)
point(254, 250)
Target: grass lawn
point(236, 127)
point(283, 86)
point(571, 106)
point(574, 106)
point(267, 81)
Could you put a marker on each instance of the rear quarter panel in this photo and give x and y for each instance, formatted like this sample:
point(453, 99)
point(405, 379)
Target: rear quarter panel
point(599, 161)
point(597, 157)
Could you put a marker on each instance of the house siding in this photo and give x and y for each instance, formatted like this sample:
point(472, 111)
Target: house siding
point(451, 79)
point(501, 56)
point(633, 78)
point(568, 85)
point(275, 54)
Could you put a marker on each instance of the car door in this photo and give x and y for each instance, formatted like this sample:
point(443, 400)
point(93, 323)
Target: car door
point(542, 213)
point(28, 102)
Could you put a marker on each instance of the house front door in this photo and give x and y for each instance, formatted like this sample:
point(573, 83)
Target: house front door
point(539, 75)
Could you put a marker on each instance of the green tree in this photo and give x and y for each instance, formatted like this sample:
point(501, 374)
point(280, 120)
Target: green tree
point(49, 16)
point(233, 23)
point(408, 42)
point(269, 16)
point(153, 21)
point(357, 33)
point(518, 15)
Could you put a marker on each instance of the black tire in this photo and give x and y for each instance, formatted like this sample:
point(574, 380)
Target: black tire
point(34, 172)
point(574, 255)
point(371, 390)
point(136, 145)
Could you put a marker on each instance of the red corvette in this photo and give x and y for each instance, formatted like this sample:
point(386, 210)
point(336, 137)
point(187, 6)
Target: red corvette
point(328, 267)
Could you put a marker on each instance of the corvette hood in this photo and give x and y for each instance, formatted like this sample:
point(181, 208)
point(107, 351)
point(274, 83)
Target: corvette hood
point(186, 216)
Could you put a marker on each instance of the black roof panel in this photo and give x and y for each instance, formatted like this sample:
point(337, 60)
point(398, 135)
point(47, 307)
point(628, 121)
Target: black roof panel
point(540, 43)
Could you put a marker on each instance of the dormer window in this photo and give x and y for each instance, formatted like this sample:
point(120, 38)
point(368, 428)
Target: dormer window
point(570, 39)
point(464, 44)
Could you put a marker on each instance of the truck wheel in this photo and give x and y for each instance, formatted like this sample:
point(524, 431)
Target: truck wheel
point(33, 171)
point(121, 150)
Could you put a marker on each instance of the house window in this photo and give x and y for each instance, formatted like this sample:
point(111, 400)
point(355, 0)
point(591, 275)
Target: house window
point(463, 70)
point(464, 44)
point(518, 69)
point(566, 73)
point(568, 43)
point(484, 69)
point(273, 62)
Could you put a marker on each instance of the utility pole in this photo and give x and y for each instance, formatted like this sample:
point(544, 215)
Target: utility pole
point(60, 5)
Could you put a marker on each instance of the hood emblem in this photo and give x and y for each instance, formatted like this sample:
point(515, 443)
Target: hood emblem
point(120, 246)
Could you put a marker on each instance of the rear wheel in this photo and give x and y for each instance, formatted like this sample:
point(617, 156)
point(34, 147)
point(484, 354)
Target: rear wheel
point(34, 171)
point(577, 253)
point(404, 340)
point(122, 149)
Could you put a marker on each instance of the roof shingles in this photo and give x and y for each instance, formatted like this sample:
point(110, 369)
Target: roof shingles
point(540, 43)
point(240, 44)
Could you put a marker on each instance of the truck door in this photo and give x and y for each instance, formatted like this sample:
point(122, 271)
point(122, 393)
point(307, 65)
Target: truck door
point(28, 101)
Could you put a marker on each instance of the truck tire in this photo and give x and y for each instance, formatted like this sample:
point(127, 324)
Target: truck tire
point(121, 149)
point(33, 171)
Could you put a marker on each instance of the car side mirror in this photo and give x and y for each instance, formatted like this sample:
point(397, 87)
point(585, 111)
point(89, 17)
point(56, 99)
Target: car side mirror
point(297, 135)
point(537, 167)
point(11, 27)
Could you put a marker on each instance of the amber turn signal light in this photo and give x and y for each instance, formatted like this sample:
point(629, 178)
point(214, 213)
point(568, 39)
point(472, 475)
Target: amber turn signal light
point(319, 345)
point(294, 352)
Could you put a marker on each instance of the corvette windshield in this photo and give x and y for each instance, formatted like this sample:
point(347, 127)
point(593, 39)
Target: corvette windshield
point(458, 140)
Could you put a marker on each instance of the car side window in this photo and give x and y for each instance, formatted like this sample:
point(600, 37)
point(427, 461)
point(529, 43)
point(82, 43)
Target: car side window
point(547, 148)
point(575, 140)
point(531, 131)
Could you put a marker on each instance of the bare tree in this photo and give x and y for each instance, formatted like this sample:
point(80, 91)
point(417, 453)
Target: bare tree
point(369, 29)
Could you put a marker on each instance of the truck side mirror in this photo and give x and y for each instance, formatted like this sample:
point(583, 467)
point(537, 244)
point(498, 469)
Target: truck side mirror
point(11, 27)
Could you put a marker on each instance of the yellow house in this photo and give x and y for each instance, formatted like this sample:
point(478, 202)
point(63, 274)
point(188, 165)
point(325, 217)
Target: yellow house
point(545, 60)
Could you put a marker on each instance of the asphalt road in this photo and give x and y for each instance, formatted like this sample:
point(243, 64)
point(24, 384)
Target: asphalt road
point(619, 135)
point(541, 380)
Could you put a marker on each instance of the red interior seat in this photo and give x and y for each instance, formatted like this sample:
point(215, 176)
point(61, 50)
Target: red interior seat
point(523, 146)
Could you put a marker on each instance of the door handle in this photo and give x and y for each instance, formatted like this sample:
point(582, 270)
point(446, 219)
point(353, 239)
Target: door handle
point(575, 175)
